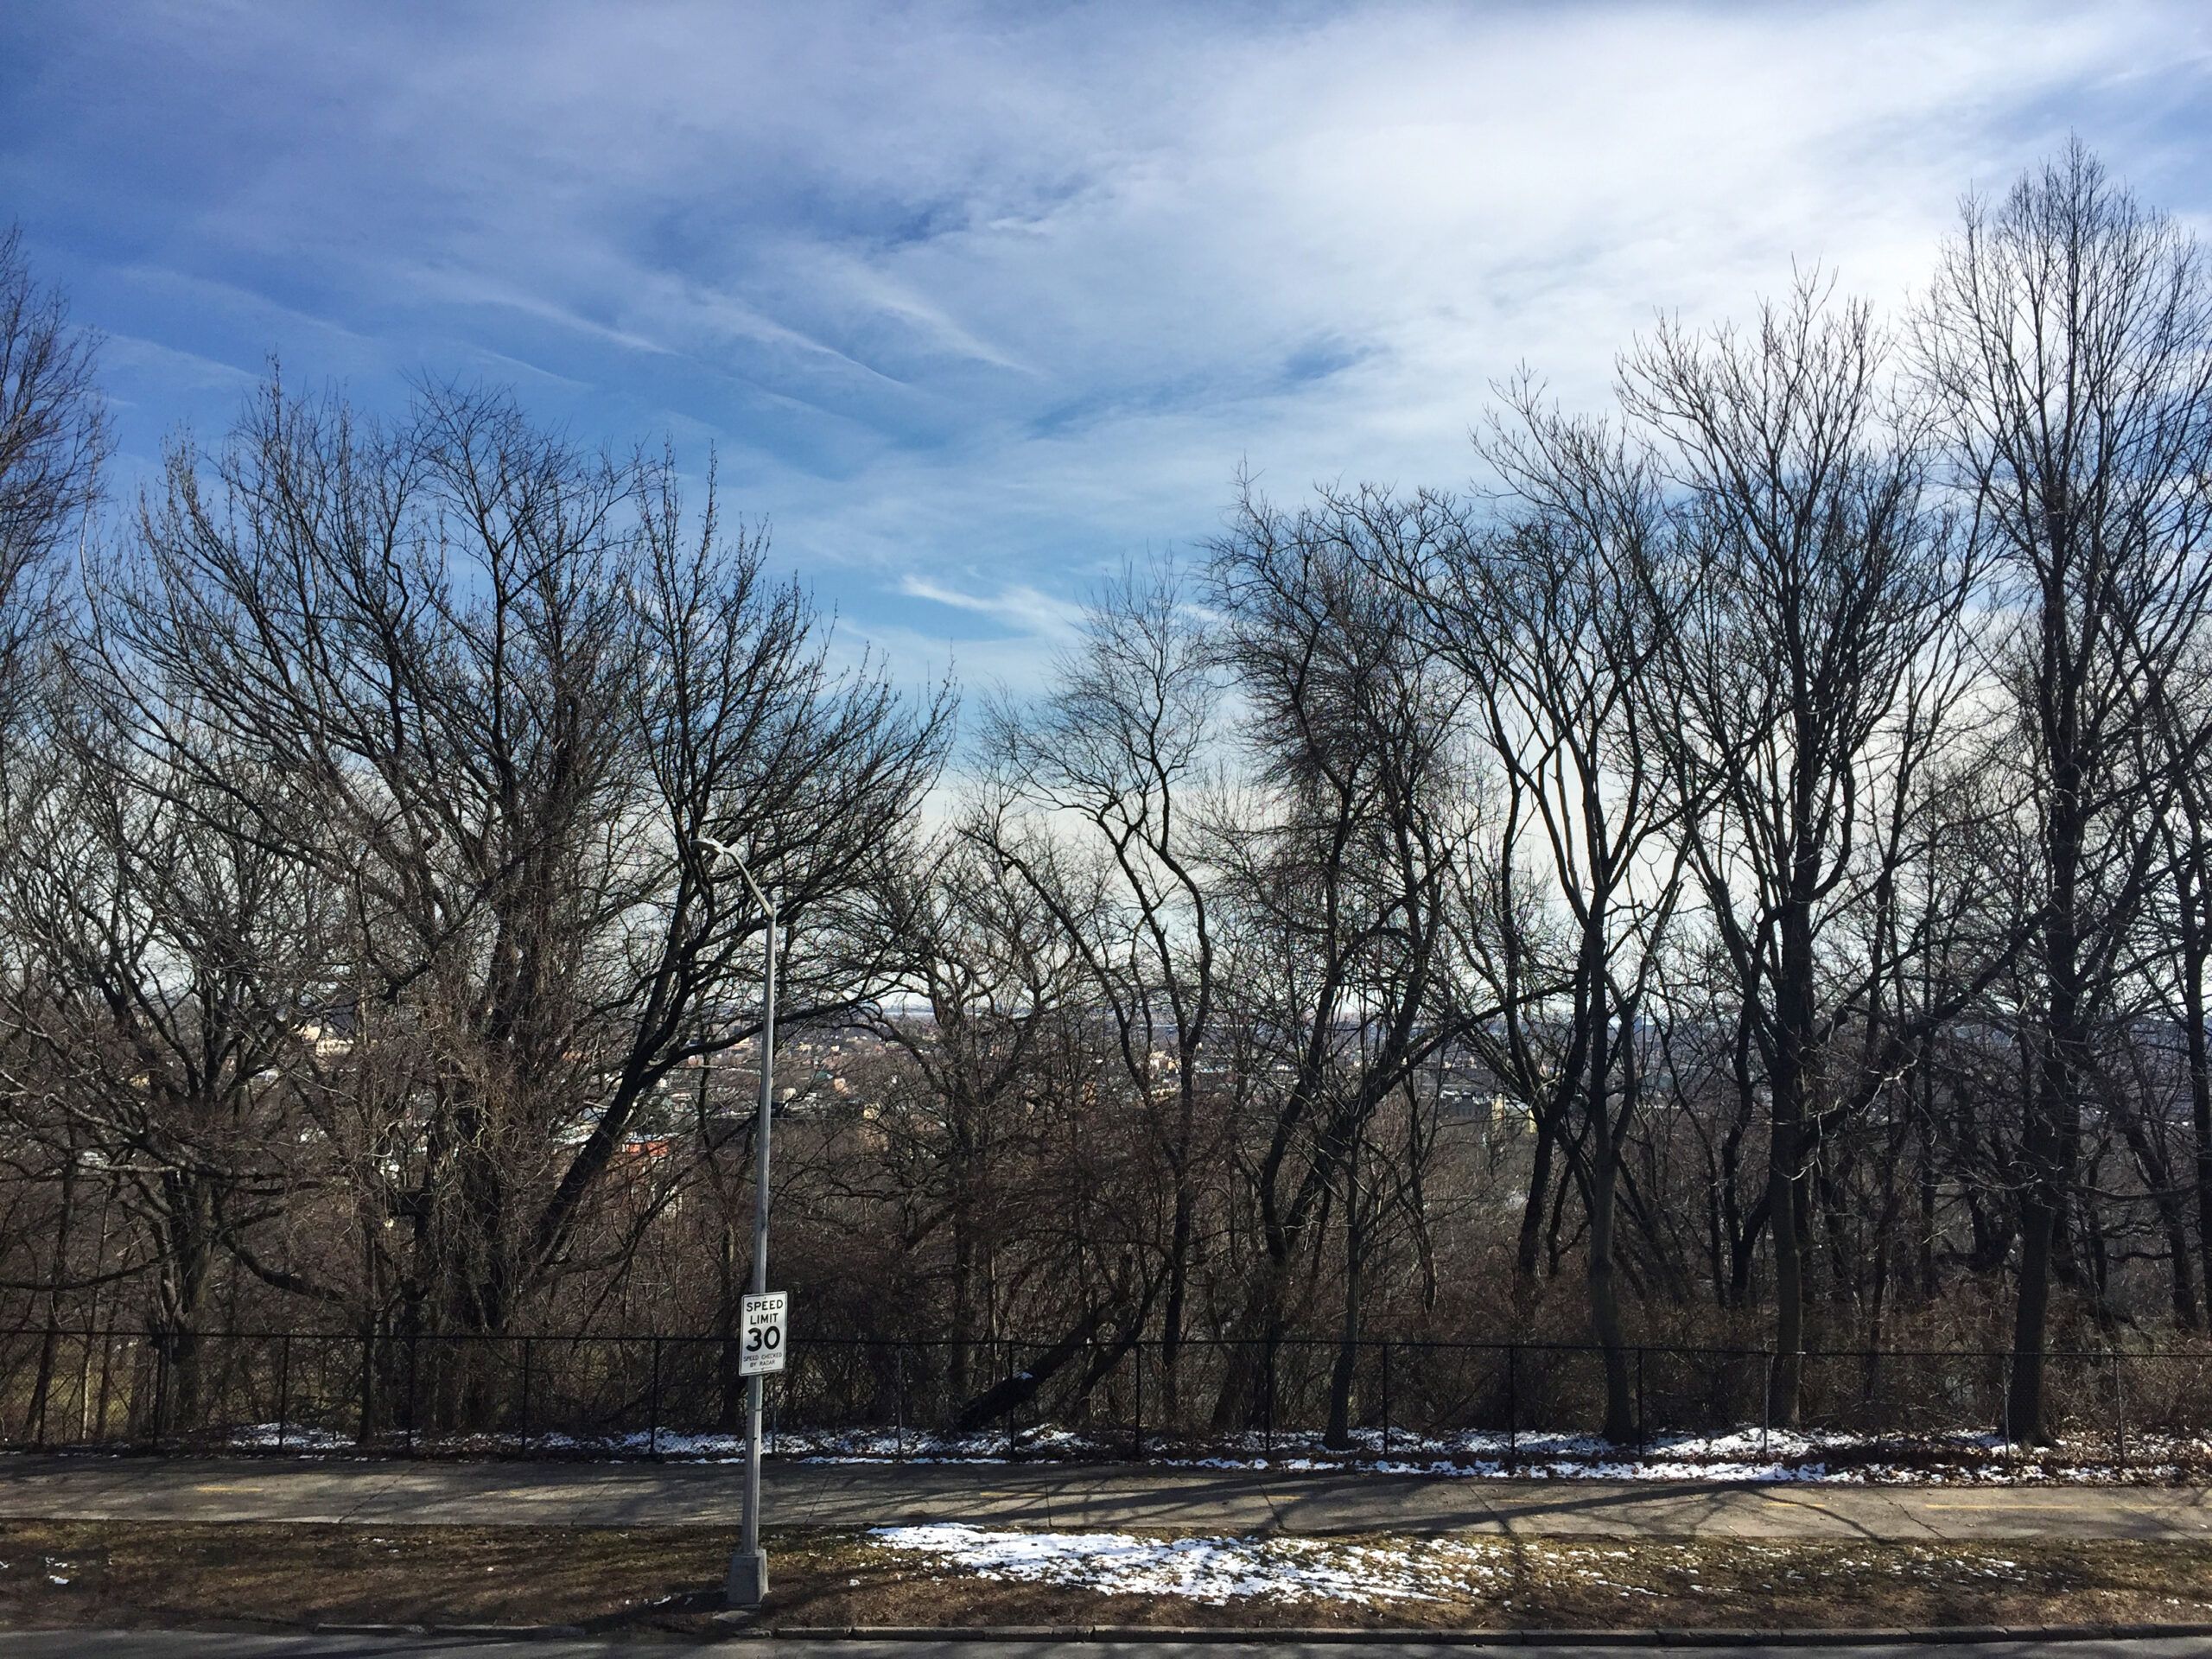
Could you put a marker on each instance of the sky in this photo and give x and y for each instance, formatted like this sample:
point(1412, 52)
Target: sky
point(974, 304)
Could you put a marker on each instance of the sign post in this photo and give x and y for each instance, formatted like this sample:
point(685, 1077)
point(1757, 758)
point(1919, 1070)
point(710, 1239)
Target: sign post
point(748, 1568)
point(761, 1353)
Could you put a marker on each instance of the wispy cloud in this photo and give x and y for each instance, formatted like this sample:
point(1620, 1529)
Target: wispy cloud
point(978, 301)
point(150, 363)
point(1020, 606)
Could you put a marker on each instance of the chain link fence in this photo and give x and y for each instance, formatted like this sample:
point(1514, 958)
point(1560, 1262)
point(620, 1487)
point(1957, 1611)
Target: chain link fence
point(665, 1396)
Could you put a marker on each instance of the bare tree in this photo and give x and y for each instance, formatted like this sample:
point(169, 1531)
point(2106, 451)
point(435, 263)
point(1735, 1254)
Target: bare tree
point(53, 435)
point(1343, 880)
point(2182, 916)
point(1554, 619)
point(994, 974)
point(517, 689)
point(1804, 679)
point(171, 958)
point(1124, 744)
point(2067, 342)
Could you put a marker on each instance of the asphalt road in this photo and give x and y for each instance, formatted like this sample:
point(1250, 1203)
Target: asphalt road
point(54, 1486)
point(162, 1644)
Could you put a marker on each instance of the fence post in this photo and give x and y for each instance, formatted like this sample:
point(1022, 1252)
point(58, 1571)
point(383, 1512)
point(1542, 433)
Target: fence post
point(284, 1385)
point(1512, 1403)
point(899, 1362)
point(1136, 1438)
point(1386, 1397)
point(414, 1400)
point(652, 1430)
point(524, 1441)
point(1643, 1433)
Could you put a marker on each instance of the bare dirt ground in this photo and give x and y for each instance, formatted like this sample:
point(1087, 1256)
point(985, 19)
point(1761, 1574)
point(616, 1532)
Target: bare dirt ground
point(234, 1575)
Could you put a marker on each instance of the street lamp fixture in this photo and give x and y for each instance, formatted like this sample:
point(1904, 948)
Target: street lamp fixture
point(747, 1584)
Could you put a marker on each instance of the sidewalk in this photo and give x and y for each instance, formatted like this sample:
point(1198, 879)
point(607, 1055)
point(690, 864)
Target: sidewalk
point(63, 1487)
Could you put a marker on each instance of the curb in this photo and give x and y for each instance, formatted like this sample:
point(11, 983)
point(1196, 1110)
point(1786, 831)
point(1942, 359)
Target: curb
point(483, 1632)
point(1216, 1635)
point(1884, 1637)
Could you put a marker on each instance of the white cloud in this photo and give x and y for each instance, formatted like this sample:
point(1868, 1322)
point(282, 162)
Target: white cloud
point(1019, 606)
point(1011, 293)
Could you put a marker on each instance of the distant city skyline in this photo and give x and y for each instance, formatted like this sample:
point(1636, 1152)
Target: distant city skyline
point(977, 302)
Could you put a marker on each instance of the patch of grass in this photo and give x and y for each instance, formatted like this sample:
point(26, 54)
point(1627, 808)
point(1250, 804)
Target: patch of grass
point(132, 1574)
point(1489, 1582)
point(125, 1575)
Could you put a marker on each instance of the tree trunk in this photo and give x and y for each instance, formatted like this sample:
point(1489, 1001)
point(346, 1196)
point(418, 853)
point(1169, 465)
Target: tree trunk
point(2194, 932)
point(2041, 1211)
point(57, 1274)
point(729, 1355)
point(180, 1294)
point(2047, 1140)
point(1529, 1252)
point(1786, 1382)
point(1604, 1290)
point(1338, 1437)
point(1792, 1092)
point(1170, 1323)
point(960, 1370)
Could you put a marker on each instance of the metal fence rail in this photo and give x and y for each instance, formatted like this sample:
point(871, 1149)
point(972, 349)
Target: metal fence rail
point(548, 1395)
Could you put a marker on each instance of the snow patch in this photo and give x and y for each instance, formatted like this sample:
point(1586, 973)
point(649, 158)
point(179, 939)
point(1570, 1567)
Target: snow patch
point(1744, 1455)
point(287, 1437)
point(1211, 1570)
point(1218, 1570)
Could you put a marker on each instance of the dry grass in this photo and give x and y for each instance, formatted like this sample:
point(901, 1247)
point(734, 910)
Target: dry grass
point(140, 1574)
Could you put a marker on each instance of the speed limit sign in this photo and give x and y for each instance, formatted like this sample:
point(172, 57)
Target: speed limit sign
point(762, 1344)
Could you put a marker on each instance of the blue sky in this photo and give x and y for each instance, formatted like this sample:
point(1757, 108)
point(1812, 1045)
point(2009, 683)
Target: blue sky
point(976, 302)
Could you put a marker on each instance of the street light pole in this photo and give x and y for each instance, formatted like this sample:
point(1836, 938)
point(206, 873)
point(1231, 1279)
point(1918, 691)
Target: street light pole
point(747, 1584)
